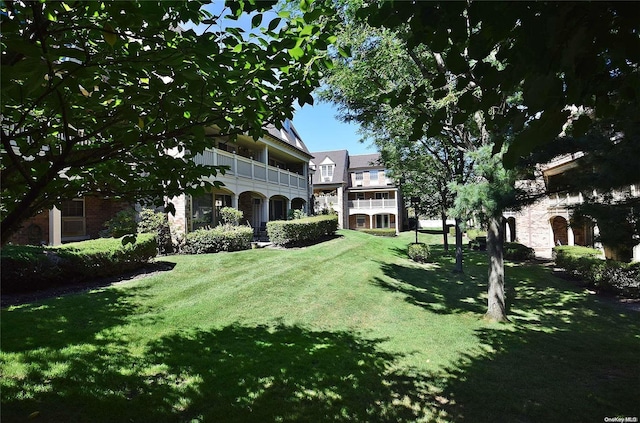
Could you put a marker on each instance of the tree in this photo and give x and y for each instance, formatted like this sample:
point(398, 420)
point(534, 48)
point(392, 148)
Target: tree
point(115, 98)
point(372, 87)
point(557, 54)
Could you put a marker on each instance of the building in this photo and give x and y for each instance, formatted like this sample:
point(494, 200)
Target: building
point(358, 189)
point(548, 222)
point(265, 179)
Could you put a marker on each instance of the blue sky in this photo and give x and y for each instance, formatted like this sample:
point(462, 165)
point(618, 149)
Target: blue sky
point(322, 131)
point(317, 125)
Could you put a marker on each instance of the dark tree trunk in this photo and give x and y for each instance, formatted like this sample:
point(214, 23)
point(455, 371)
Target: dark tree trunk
point(445, 232)
point(496, 308)
point(458, 268)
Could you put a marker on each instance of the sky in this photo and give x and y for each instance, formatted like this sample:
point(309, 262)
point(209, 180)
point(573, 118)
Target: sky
point(322, 131)
point(317, 125)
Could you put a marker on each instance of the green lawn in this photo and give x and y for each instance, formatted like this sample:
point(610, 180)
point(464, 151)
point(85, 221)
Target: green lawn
point(347, 331)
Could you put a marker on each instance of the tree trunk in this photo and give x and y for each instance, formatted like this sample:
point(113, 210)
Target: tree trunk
point(445, 231)
point(496, 309)
point(458, 268)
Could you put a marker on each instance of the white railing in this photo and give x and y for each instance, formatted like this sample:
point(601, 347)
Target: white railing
point(373, 204)
point(560, 200)
point(326, 200)
point(251, 169)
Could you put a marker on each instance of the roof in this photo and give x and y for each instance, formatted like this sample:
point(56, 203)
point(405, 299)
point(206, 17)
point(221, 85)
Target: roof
point(288, 135)
point(365, 161)
point(339, 157)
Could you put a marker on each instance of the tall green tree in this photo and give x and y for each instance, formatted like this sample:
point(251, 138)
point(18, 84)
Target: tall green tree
point(557, 54)
point(441, 99)
point(113, 98)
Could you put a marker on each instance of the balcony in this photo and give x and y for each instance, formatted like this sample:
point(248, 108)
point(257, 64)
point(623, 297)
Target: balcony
point(244, 167)
point(371, 204)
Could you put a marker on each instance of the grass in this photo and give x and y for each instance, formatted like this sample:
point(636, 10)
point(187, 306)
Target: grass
point(348, 330)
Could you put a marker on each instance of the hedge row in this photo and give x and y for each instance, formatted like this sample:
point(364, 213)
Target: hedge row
point(517, 252)
point(602, 275)
point(31, 268)
point(220, 238)
point(380, 232)
point(301, 231)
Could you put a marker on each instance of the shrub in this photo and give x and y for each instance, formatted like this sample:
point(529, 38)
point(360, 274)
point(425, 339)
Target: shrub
point(379, 232)
point(155, 222)
point(518, 252)
point(123, 223)
point(230, 216)
point(220, 238)
point(295, 214)
point(26, 269)
point(602, 275)
point(302, 231)
point(419, 252)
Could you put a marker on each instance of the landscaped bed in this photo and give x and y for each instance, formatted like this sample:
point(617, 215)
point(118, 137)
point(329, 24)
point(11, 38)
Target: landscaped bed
point(346, 330)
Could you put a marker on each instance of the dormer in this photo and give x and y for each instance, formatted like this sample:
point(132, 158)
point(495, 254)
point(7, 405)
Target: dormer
point(327, 168)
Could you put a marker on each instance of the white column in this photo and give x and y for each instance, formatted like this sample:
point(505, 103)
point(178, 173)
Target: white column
point(570, 237)
point(55, 227)
point(266, 155)
point(371, 222)
point(341, 209)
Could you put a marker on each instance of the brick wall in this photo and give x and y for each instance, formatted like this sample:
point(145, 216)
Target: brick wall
point(97, 211)
point(34, 231)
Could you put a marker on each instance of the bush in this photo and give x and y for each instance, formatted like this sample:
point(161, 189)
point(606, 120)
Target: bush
point(220, 238)
point(419, 252)
point(301, 231)
point(123, 223)
point(602, 275)
point(379, 232)
point(156, 223)
point(295, 214)
point(474, 233)
point(230, 216)
point(27, 268)
point(518, 252)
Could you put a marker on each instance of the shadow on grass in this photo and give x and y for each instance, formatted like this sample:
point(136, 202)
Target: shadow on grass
point(434, 285)
point(566, 356)
point(234, 374)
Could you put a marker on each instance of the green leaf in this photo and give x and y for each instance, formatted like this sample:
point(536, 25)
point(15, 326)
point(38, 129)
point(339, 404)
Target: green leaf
point(109, 35)
point(296, 52)
point(274, 24)
point(256, 20)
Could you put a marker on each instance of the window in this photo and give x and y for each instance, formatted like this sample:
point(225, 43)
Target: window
point(73, 219)
point(359, 176)
point(327, 172)
point(373, 176)
point(359, 195)
point(201, 211)
point(360, 221)
point(382, 195)
point(382, 221)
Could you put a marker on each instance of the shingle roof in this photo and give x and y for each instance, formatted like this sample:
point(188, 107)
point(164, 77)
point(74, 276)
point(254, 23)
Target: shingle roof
point(288, 134)
point(364, 161)
point(339, 157)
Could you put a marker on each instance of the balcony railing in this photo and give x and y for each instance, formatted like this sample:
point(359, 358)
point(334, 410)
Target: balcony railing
point(373, 204)
point(251, 169)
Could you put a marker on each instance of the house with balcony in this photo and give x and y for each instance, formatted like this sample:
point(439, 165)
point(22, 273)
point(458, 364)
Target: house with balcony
point(358, 189)
point(548, 222)
point(264, 180)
